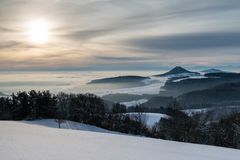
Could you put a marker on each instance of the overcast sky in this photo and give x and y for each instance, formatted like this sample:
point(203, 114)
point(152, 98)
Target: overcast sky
point(121, 34)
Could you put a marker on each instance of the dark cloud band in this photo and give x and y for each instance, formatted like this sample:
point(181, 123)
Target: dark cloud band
point(190, 41)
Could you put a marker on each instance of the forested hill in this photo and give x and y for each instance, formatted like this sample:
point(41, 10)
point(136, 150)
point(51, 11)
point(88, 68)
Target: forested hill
point(177, 71)
point(225, 94)
point(120, 79)
point(176, 88)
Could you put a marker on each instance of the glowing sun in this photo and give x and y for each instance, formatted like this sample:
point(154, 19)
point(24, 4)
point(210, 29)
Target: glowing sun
point(38, 31)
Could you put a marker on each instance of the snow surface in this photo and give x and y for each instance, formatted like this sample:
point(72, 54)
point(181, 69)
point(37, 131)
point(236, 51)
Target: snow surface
point(21, 141)
point(134, 103)
point(190, 112)
point(68, 125)
point(151, 118)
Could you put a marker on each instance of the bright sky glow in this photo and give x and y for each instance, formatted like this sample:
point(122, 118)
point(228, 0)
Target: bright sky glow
point(38, 31)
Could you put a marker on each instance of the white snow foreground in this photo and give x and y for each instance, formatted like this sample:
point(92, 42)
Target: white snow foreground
point(21, 141)
point(68, 125)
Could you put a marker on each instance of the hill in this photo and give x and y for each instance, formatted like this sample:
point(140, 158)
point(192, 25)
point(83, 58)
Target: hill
point(157, 102)
point(28, 142)
point(176, 88)
point(119, 79)
point(212, 70)
point(227, 94)
point(178, 72)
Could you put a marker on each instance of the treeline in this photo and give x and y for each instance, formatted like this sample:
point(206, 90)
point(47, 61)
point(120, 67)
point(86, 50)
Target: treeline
point(198, 128)
point(83, 108)
point(90, 109)
point(28, 106)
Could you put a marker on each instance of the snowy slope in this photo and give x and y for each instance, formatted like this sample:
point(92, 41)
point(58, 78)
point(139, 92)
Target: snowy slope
point(151, 118)
point(190, 112)
point(21, 141)
point(68, 125)
point(134, 103)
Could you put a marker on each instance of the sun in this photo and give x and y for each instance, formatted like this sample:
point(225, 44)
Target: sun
point(38, 31)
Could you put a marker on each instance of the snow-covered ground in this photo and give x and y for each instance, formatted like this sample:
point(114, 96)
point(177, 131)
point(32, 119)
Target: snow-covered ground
point(68, 125)
point(134, 103)
point(150, 118)
point(21, 141)
point(190, 112)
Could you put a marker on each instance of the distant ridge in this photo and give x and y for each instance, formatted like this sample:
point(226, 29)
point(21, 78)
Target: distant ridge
point(2, 94)
point(212, 70)
point(120, 79)
point(219, 95)
point(178, 71)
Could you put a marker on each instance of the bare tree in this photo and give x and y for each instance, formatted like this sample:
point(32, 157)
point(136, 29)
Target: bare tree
point(62, 108)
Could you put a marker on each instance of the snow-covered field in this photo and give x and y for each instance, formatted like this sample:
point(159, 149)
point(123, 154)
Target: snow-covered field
point(134, 103)
point(190, 112)
point(68, 125)
point(21, 141)
point(150, 118)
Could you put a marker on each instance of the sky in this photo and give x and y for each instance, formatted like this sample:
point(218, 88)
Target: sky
point(120, 34)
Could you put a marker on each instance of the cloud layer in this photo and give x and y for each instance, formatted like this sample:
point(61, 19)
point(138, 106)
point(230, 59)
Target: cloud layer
point(189, 41)
point(113, 34)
